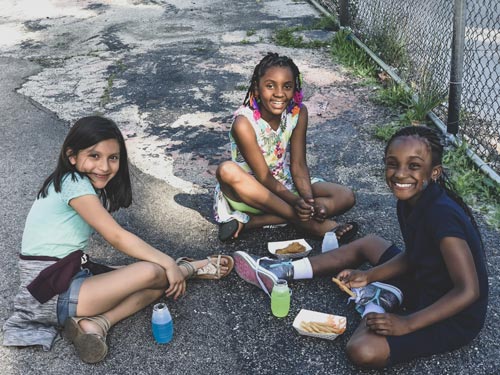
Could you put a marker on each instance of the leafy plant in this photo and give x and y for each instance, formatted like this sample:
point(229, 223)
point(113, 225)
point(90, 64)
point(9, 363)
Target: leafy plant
point(286, 37)
point(394, 96)
point(477, 189)
point(327, 23)
point(346, 52)
point(386, 131)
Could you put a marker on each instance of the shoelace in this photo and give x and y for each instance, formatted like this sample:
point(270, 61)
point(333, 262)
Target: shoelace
point(358, 298)
point(261, 283)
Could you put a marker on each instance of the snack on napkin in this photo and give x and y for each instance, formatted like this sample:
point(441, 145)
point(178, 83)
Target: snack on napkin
point(293, 248)
point(328, 327)
point(343, 287)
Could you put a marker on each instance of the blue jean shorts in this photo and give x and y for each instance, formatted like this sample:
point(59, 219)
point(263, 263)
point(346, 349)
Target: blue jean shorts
point(67, 301)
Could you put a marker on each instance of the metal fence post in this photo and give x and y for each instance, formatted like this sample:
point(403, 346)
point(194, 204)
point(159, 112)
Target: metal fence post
point(456, 69)
point(344, 16)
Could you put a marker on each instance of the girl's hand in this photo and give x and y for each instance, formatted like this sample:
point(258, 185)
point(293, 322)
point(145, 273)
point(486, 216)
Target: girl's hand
point(387, 324)
point(353, 278)
point(319, 212)
point(303, 209)
point(176, 282)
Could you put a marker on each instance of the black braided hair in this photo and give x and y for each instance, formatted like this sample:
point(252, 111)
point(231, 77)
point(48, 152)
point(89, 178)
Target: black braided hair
point(434, 141)
point(270, 60)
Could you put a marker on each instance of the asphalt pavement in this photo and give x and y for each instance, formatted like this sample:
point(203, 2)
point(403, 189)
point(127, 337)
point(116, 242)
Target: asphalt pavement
point(171, 73)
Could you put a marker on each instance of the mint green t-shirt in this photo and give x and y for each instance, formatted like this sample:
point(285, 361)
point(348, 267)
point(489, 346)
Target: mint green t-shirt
point(53, 228)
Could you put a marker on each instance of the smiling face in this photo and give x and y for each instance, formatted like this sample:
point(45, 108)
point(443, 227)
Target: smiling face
point(408, 167)
point(275, 90)
point(99, 162)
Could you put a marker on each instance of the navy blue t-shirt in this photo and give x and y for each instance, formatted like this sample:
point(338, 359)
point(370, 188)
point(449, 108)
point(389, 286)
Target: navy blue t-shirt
point(434, 217)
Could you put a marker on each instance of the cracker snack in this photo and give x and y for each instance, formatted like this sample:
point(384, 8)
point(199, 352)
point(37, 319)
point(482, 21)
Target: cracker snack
point(293, 248)
point(343, 287)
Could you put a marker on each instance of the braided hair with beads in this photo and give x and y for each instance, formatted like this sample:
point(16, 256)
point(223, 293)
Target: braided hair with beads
point(271, 60)
point(434, 141)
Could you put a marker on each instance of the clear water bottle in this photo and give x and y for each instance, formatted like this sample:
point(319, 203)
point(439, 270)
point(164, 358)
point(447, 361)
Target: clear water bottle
point(161, 321)
point(330, 242)
point(280, 299)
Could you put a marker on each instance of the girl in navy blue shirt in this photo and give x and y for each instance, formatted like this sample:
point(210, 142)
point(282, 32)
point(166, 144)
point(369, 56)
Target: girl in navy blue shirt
point(442, 271)
point(434, 294)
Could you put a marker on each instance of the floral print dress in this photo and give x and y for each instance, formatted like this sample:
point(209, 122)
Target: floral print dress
point(274, 145)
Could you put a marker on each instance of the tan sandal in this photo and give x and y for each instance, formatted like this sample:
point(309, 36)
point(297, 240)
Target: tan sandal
point(91, 347)
point(210, 271)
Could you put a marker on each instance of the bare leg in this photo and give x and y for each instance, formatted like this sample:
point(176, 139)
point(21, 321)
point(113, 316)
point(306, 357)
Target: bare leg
point(367, 249)
point(242, 187)
point(336, 198)
point(121, 293)
point(367, 349)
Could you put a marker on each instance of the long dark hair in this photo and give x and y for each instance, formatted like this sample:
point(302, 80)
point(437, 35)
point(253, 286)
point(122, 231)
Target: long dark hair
point(434, 141)
point(85, 133)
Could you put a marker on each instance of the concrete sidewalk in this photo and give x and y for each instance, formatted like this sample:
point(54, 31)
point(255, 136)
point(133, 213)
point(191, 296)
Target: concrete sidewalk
point(171, 73)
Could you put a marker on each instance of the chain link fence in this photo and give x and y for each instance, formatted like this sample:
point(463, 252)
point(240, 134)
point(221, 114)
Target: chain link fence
point(416, 38)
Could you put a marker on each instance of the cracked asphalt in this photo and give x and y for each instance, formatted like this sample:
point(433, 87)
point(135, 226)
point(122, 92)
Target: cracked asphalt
point(171, 73)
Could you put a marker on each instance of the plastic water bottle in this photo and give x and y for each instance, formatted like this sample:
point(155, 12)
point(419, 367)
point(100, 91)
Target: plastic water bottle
point(161, 321)
point(280, 299)
point(330, 242)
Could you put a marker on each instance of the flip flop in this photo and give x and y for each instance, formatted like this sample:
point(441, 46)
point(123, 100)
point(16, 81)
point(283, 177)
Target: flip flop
point(346, 236)
point(228, 229)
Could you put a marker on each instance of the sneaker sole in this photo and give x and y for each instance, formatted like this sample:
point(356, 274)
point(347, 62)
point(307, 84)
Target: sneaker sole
point(246, 267)
point(391, 288)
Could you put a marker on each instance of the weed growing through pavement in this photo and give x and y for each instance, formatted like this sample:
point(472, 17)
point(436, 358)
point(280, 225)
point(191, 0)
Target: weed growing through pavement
point(477, 189)
point(386, 41)
point(394, 96)
point(327, 23)
point(287, 36)
point(106, 95)
point(346, 52)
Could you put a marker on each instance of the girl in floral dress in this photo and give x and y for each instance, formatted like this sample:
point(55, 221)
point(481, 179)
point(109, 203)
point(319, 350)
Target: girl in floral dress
point(267, 182)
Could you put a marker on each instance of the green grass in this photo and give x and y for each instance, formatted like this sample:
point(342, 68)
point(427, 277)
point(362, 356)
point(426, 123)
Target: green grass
point(394, 96)
point(327, 23)
point(386, 131)
point(106, 95)
point(346, 52)
point(286, 37)
point(477, 189)
point(412, 111)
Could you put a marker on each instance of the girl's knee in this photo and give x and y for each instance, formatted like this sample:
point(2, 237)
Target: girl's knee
point(226, 171)
point(153, 274)
point(363, 354)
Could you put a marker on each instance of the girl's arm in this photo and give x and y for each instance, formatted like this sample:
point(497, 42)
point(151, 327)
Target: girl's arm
point(91, 210)
point(393, 267)
point(298, 161)
point(460, 264)
point(462, 270)
point(244, 136)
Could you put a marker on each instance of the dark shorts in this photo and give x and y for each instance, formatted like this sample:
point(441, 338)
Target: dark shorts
point(440, 337)
point(67, 301)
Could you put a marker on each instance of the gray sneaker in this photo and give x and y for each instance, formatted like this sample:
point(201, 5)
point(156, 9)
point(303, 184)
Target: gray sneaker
point(262, 272)
point(386, 296)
